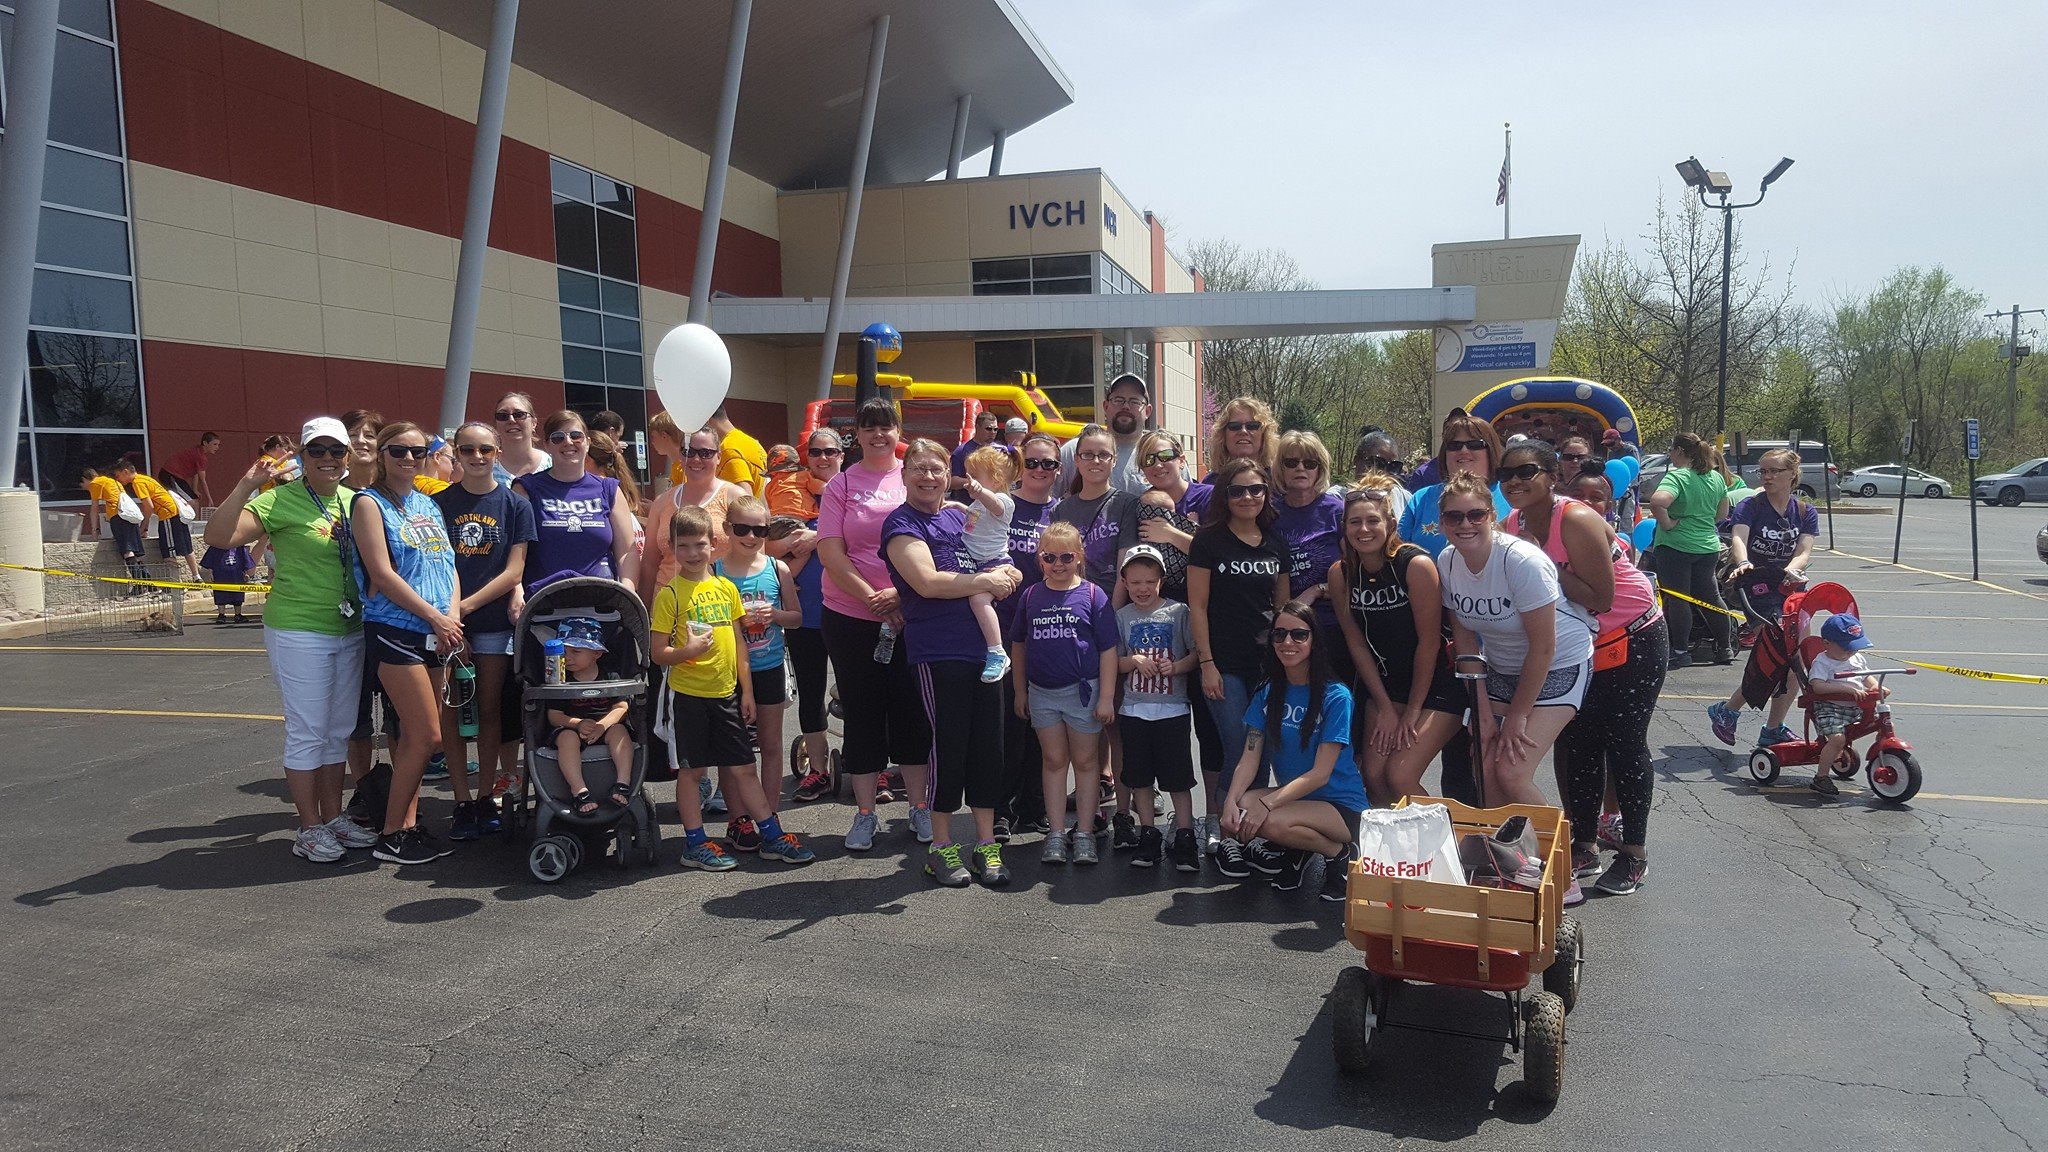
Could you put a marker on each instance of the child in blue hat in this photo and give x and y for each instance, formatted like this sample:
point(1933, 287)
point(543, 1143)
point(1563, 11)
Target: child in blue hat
point(581, 722)
point(1835, 704)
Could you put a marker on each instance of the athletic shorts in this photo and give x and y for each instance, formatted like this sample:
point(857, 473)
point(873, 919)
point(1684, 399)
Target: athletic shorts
point(1157, 753)
point(173, 538)
point(1562, 687)
point(391, 645)
point(771, 686)
point(708, 731)
point(1073, 706)
point(127, 536)
point(1351, 818)
point(1832, 719)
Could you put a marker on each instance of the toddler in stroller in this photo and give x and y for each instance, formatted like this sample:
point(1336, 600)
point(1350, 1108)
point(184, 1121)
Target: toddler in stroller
point(585, 721)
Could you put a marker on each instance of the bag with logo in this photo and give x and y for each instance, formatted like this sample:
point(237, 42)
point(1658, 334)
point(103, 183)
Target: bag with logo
point(1415, 842)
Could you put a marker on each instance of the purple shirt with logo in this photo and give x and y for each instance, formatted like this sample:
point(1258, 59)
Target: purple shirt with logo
point(935, 630)
point(1064, 633)
point(1314, 534)
point(1026, 522)
point(572, 526)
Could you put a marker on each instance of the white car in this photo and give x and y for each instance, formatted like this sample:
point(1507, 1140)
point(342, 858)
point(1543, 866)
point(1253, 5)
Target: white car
point(1883, 480)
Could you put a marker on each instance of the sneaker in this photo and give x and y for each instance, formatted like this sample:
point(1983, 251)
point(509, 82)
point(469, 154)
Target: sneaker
point(788, 849)
point(1775, 734)
point(1585, 860)
point(464, 826)
point(1230, 859)
point(1679, 660)
point(1724, 656)
point(1623, 876)
point(413, 845)
point(1724, 719)
point(921, 823)
point(1151, 847)
point(1574, 895)
point(813, 785)
point(1293, 862)
point(1084, 848)
point(437, 768)
point(986, 864)
point(1608, 832)
point(714, 799)
point(488, 819)
point(1825, 784)
point(1123, 835)
point(944, 865)
point(707, 857)
point(744, 833)
point(861, 836)
point(1054, 851)
point(1186, 851)
point(1042, 825)
point(1337, 877)
point(994, 667)
point(318, 845)
point(1264, 857)
point(350, 834)
point(1211, 833)
point(1002, 830)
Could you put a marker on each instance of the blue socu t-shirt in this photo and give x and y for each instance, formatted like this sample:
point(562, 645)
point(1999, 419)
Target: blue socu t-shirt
point(1290, 760)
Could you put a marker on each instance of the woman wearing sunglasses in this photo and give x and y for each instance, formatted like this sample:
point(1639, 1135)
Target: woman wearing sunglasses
point(1610, 736)
point(1244, 430)
point(1237, 573)
point(1299, 722)
point(1106, 517)
point(1506, 603)
point(412, 621)
point(581, 525)
point(1311, 520)
point(518, 455)
point(702, 487)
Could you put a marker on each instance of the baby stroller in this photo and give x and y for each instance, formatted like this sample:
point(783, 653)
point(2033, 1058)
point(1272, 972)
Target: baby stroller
point(1760, 594)
point(560, 833)
point(1893, 772)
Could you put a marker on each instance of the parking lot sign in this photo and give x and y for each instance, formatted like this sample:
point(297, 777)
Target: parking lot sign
point(1971, 448)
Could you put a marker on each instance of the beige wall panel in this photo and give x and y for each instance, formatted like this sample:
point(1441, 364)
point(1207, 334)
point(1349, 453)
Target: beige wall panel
point(988, 220)
point(495, 351)
point(878, 237)
point(189, 314)
point(280, 24)
point(757, 373)
point(810, 243)
point(342, 35)
point(535, 278)
point(408, 56)
point(494, 311)
point(661, 311)
point(879, 280)
point(358, 335)
point(688, 167)
point(749, 200)
point(420, 297)
point(185, 255)
point(537, 356)
point(351, 284)
point(1131, 246)
point(207, 10)
point(611, 143)
point(352, 237)
point(169, 197)
point(278, 220)
point(653, 168)
point(281, 325)
point(497, 267)
point(939, 278)
point(946, 361)
point(422, 253)
point(526, 107)
point(571, 123)
point(462, 78)
point(935, 222)
point(534, 317)
point(425, 342)
point(283, 273)
point(1178, 278)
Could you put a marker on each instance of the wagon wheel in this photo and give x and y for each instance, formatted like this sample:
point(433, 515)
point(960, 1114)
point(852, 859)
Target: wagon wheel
point(1355, 1006)
point(1543, 1046)
point(1562, 977)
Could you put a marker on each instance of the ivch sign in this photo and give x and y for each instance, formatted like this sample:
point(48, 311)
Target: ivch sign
point(1051, 214)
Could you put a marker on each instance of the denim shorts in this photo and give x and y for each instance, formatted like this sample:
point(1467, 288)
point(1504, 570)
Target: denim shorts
point(1073, 706)
point(489, 643)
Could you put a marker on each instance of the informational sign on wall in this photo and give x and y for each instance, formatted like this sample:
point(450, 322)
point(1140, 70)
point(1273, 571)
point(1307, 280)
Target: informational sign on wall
point(1495, 346)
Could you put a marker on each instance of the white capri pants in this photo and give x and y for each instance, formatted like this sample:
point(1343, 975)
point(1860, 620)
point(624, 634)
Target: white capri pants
point(321, 679)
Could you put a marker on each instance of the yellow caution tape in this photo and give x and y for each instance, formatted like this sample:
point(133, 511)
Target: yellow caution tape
point(1703, 604)
point(1978, 673)
point(187, 585)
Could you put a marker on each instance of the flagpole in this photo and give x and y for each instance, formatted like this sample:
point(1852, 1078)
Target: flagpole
point(1507, 165)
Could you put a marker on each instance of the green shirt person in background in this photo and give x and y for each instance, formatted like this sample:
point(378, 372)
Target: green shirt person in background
point(1690, 502)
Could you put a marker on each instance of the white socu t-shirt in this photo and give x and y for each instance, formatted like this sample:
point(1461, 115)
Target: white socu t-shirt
point(1517, 578)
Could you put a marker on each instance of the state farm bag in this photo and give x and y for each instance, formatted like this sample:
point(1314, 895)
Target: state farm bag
point(1414, 842)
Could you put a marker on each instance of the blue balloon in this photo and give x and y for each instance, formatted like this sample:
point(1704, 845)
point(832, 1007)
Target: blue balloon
point(888, 341)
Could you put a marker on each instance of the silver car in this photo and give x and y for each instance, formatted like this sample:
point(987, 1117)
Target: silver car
point(2029, 481)
point(1883, 480)
point(2041, 543)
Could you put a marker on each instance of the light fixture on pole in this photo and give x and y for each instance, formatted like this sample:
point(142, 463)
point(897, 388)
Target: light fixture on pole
point(1703, 181)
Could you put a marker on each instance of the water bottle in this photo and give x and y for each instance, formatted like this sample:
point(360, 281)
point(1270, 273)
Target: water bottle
point(464, 677)
point(554, 669)
point(885, 648)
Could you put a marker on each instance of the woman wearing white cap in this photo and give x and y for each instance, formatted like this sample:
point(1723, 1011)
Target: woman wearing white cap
point(311, 622)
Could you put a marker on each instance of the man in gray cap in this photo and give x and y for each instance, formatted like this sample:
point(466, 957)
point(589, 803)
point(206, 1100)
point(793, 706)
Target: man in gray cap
point(1129, 407)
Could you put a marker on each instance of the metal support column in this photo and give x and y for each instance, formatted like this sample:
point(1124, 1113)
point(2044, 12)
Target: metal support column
point(476, 219)
point(856, 181)
point(959, 151)
point(721, 158)
point(995, 156)
point(21, 193)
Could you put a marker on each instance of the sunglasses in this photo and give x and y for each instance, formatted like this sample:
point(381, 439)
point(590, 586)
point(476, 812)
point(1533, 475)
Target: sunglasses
point(760, 530)
point(1454, 517)
point(1245, 491)
point(322, 452)
point(712, 453)
point(1520, 472)
point(1309, 463)
point(1464, 445)
point(1573, 457)
point(1163, 456)
point(1297, 635)
point(1242, 426)
point(565, 436)
point(821, 453)
point(407, 451)
point(477, 449)
point(1058, 557)
point(512, 415)
point(1095, 457)
point(1041, 465)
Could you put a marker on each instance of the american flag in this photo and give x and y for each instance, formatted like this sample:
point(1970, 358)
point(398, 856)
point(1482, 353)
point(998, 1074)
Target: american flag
point(1502, 196)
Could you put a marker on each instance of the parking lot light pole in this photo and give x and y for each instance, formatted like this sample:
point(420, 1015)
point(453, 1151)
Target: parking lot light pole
point(1701, 180)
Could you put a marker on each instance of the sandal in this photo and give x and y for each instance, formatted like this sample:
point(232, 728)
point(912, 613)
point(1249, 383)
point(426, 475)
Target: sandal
point(622, 794)
point(585, 805)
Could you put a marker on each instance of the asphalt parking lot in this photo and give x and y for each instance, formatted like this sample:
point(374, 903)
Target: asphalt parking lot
point(1796, 973)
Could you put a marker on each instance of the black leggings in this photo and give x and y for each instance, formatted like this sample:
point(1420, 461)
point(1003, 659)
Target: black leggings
point(1610, 737)
point(807, 655)
point(1023, 787)
point(1693, 574)
point(967, 750)
point(1208, 741)
point(885, 721)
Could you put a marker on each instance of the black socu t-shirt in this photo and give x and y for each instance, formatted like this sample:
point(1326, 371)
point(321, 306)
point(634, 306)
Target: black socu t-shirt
point(1241, 581)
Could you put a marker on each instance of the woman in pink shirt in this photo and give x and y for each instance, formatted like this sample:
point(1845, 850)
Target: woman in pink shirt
point(861, 621)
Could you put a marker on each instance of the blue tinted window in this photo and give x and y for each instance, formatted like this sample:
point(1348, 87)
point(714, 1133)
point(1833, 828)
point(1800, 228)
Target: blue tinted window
point(83, 182)
point(79, 381)
point(76, 240)
point(83, 110)
point(71, 300)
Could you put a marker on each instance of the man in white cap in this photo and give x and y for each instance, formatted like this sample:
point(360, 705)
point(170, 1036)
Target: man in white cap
point(1129, 406)
point(1014, 431)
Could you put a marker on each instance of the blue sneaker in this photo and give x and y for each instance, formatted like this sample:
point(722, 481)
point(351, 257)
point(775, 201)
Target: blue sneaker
point(713, 799)
point(788, 849)
point(1725, 720)
point(1775, 734)
point(466, 825)
point(995, 666)
point(708, 857)
point(489, 820)
point(437, 768)
point(861, 836)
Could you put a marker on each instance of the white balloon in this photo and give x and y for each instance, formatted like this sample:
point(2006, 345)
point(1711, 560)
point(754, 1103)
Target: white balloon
point(692, 371)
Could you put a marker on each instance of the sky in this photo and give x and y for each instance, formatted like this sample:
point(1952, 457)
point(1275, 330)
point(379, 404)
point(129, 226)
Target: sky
point(1355, 135)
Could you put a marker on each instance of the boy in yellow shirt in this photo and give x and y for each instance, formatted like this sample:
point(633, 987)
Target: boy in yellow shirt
point(173, 534)
point(695, 621)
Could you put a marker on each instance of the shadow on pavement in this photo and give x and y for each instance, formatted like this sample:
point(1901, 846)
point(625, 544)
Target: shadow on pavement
point(809, 903)
point(243, 862)
point(1305, 923)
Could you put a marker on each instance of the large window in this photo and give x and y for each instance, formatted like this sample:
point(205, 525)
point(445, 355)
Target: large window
point(1035, 276)
point(597, 276)
point(1064, 366)
point(84, 405)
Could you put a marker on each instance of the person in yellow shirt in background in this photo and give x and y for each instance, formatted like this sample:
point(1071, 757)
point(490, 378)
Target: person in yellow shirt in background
point(741, 459)
point(173, 534)
point(439, 470)
point(104, 504)
point(665, 440)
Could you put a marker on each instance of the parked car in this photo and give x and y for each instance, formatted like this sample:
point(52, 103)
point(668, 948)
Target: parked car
point(2029, 481)
point(1883, 480)
point(1816, 465)
point(2041, 543)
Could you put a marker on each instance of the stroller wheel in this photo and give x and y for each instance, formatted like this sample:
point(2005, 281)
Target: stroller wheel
point(575, 846)
point(622, 844)
point(1763, 765)
point(649, 841)
point(549, 858)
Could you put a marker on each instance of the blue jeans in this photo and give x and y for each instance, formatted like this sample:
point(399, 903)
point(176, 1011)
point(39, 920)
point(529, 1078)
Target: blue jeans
point(1229, 715)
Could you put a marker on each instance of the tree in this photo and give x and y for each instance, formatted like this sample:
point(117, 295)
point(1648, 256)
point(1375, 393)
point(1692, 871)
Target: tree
point(1919, 348)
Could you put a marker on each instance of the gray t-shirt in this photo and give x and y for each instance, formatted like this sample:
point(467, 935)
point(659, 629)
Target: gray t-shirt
point(1162, 632)
point(1124, 475)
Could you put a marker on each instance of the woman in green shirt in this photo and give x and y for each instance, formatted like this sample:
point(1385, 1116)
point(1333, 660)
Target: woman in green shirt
point(1689, 504)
